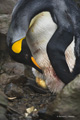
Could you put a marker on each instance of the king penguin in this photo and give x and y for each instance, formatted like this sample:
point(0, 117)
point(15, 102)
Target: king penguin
point(40, 31)
point(22, 14)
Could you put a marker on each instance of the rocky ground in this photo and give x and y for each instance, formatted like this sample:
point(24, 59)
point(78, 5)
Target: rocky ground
point(20, 94)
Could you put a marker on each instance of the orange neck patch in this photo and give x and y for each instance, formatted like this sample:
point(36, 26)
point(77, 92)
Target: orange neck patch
point(17, 46)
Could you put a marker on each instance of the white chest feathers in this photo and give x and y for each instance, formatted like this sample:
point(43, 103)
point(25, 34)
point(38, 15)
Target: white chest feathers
point(40, 31)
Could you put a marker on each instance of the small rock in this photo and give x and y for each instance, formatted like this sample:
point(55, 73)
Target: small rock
point(5, 78)
point(16, 79)
point(4, 23)
point(26, 115)
point(12, 90)
point(14, 68)
point(35, 110)
point(30, 110)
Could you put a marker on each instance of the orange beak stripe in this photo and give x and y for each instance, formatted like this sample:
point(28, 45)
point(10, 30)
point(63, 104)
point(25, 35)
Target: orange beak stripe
point(33, 60)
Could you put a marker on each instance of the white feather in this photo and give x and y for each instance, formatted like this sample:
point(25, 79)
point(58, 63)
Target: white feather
point(41, 29)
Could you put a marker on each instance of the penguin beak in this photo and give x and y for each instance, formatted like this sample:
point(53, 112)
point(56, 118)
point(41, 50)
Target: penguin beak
point(35, 63)
point(17, 48)
point(21, 53)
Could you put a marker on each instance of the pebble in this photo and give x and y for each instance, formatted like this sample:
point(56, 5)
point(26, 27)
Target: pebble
point(30, 110)
point(12, 90)
point(26, 115)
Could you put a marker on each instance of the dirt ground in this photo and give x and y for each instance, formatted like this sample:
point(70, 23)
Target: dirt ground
point(22, 92)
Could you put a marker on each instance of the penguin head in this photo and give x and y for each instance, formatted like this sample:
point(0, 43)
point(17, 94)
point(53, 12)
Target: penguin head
point(21, 53)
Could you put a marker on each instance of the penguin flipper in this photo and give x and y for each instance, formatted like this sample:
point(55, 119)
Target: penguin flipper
point(56, 52)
